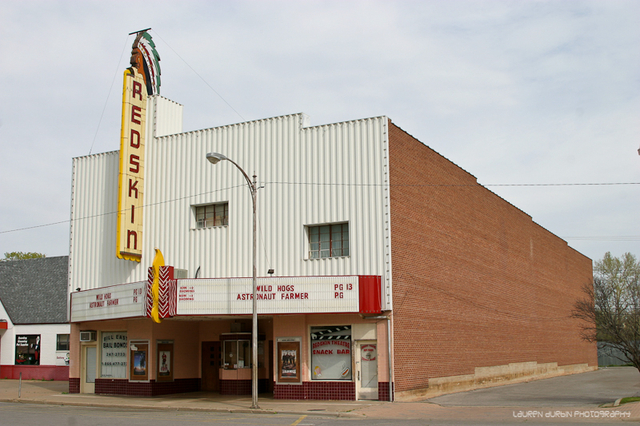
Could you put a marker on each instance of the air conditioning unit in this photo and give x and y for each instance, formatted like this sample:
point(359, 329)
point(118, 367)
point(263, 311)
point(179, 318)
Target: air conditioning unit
point(179, 274)
point(87, 336)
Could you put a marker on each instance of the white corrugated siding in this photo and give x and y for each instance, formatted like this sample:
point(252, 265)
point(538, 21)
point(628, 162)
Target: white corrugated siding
point(93, 261)
point(166, 115)
point(311, 175)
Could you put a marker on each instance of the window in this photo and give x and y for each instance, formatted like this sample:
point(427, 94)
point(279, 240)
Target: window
point(62, 342)
point(331, 353)
point(237, 353)
point(28, 349)
point(113, 358)
point(328, 240)
point(212, 215)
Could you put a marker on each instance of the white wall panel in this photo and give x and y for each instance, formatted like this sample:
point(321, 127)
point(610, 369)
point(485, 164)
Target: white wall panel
point(48, 332)
point(165, 117)
point(310, 175)
point(92, 255)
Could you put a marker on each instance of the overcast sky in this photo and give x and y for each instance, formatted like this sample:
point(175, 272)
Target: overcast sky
point(514, 92)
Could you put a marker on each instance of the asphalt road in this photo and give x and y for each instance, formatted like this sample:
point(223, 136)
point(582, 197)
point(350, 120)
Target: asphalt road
point(556, 401)
point(586, 389)
point(12, 414)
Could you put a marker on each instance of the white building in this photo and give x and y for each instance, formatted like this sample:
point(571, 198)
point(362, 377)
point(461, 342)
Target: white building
point(34, 332)
point(180, 182)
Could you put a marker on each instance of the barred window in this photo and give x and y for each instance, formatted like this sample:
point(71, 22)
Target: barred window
point(212, 215)
point(328, 240)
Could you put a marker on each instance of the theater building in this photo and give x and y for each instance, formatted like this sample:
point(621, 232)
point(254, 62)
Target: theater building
point(385, 271)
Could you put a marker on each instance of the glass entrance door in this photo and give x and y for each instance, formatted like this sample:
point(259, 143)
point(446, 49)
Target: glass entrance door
point(89, 369)
point(367, 370)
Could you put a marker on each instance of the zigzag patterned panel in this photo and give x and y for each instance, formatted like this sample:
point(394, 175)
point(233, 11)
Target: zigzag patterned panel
point(168, 297)
point(172, 303)
point(149, 298)
point(168, 288)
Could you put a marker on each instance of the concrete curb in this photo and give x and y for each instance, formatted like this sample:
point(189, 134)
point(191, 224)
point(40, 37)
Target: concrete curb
point(183, 408)
point(449, 413)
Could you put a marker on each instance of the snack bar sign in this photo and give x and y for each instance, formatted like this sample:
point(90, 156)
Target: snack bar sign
point(274, 295)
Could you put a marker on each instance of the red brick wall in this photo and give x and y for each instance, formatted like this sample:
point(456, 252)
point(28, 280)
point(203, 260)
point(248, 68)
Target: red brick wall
point(150, 388)
point(316, 390)
point(475, 282)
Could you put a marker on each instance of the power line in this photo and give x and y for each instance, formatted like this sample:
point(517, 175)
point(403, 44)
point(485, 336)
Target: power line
point(606, 238)
point(201, 78)
point(35, 226)
point(563, 184)
point(116, 211)
point(457, 185)
point(108, 94)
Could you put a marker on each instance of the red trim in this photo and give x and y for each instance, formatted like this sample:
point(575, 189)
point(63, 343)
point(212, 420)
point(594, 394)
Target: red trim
point(35, 372)
point(150, 388)
point(370, 299)
point(339, 390)
point(74, 385)
point(3, 325)
point(324, 390)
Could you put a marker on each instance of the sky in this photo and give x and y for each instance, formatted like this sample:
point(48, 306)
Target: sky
point(539, 100)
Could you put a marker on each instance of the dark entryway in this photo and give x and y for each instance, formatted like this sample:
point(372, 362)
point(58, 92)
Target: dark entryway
point(210, 366)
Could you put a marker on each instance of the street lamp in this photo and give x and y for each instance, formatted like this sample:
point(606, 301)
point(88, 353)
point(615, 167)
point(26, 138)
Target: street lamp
point(215, 158)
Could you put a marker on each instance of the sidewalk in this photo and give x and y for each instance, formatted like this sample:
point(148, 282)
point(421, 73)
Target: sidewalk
point(56, 393)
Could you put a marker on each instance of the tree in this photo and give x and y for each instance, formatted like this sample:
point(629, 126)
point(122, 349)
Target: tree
point(610, 309)
point(19, 255)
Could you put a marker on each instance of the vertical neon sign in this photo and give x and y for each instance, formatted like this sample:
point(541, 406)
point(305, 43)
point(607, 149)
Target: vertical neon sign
point(140, 81)
point(131, 187)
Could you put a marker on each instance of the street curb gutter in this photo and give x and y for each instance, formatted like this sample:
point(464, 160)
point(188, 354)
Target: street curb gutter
point(195, 409)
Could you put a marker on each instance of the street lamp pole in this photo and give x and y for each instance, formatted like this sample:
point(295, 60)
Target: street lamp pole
point(214, 158)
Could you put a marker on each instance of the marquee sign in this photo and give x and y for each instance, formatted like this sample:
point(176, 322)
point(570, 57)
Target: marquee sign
point(141, 80)
point(230, 296)
point(274, 295)
point(119, 301)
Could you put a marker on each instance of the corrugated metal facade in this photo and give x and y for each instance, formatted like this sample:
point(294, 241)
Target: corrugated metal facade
point(309, 176)
point(170, 113)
